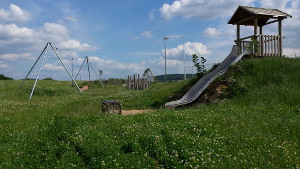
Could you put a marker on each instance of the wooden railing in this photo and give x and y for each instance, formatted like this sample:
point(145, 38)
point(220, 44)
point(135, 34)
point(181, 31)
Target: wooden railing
point(269, 45)
point(265, 45)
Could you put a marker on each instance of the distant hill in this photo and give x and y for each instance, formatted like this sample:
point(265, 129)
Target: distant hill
point(173, 77)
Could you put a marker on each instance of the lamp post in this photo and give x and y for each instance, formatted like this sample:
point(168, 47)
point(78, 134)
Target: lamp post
point(165, 38)
point(184, 60)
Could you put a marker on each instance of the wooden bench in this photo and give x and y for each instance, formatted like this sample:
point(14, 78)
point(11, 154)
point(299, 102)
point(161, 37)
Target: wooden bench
point(111, 106)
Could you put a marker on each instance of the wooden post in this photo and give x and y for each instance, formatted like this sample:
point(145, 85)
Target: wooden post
point(278, 46)
point(134, 81)
point(280, 37)
point(128, 82)
point(136, 86)
point(261, 41)
point(275, 41)
point(255, 32)
point(269, 45)
point(238, 37)
point(138, 82)
point(265, 44)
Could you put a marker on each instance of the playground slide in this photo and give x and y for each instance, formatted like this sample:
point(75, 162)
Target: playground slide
point(204, 82)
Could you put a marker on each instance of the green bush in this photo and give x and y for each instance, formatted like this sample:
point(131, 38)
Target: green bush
point(2, 77)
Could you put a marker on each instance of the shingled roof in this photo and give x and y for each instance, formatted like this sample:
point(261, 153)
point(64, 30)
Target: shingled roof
point(244, 14)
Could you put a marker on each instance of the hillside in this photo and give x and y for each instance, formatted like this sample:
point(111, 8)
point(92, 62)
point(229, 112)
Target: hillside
point(257, 127)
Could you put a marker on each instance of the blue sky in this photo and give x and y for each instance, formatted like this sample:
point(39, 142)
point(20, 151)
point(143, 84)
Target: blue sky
point(123, 37)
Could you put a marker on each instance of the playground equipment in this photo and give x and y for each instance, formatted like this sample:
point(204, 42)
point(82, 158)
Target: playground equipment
point(148, 76)
point(43, 53)
point(136, 83)
point(86, 59)
point(111, 106)
point(204, 82)
point(261, 45)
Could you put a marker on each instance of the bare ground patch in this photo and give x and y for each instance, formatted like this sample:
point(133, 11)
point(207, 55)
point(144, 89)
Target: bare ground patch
point(133, 112)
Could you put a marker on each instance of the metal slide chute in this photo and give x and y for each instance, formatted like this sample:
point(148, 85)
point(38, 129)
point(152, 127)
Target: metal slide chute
point(204, 82)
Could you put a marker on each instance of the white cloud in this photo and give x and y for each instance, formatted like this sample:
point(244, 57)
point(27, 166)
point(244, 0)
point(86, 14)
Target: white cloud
point(55, 29)
point(212, 33)
point(111, 68)
point(189, 49)
point(146, 34)
point(51, 67)
point(291, 52)
point(204, 9)
point(72, 44)
point(290, 26)
point(3, 65)
point(12, 32)
point(174, 36)
point(171, 63)
point(19, 44)
point(274, 4)
point(16, 57)
point(152, 14)
point(72, 19)
point(66, 53)
point(117, 66)
point(14, 14)
point(22, 39)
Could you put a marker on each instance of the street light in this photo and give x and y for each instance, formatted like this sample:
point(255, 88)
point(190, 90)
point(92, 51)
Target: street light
point(165, 38)
point(184, 60)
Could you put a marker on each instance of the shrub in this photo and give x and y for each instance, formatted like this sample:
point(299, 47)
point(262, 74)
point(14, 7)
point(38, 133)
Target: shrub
point(2, 77)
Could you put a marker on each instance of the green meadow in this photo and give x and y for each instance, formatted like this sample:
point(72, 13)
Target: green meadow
point(257, 126)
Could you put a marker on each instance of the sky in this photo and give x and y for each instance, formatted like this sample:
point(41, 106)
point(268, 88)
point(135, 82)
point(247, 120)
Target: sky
point(125, 37)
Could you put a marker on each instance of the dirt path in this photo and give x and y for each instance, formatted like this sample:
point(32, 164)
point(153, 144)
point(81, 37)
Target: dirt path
point(133, 112)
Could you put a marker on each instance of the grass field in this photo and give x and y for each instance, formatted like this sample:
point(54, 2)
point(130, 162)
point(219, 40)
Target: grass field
point(259, 127)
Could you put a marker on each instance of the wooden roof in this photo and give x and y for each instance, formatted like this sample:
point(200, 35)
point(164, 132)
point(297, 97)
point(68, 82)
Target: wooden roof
point(244, 15)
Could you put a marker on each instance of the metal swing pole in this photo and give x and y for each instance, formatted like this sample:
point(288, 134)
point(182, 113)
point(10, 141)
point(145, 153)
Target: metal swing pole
point(64, 66)
point(80, 68)
point(32, 67)
point(87, 61)
point(72, 71)
point(96, 74)
point(37, 76)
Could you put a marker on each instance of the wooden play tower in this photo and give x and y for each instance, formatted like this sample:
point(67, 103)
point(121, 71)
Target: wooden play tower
point(262, 45)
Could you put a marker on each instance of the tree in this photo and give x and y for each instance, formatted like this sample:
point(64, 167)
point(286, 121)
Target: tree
point(201, 70)
point(252, 46)
point(2, 77)
point(48, 78)
point(100, 73)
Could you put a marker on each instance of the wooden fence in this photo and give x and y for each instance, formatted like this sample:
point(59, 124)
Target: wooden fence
point(114, 81)
point(136, 83)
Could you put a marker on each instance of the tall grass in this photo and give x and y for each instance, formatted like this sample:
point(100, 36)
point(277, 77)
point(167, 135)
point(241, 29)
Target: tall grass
point(257, 128)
